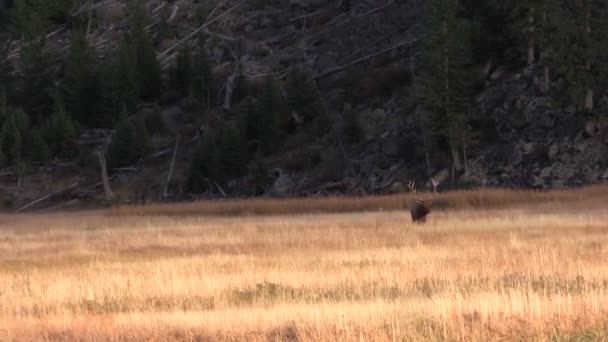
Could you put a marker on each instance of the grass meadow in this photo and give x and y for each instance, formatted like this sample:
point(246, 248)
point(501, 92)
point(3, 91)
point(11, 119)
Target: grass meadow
point(489, 265)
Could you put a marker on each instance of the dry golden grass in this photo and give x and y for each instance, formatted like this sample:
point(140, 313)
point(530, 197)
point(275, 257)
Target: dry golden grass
point(491, 271)
point(471, 199)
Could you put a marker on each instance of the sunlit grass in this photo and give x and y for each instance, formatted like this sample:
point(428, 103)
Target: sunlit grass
point(534, 271)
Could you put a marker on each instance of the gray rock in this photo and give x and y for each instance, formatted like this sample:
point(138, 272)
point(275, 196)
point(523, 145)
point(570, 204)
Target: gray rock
point(516, 157)
point(546, 172)
point(591, 127)
point(282, 186)
point(538, 182)
point(528, 148)
point(553, 151)
point(564, 173)
point(582, 147)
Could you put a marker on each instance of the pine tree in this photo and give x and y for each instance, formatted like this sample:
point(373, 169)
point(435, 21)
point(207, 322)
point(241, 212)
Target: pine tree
point(181, 76)
point(21, 120)
point(6, 79)
point(81, 86)
point(3, 105)
point(302, 95)
point(154, 121)
point(232, 149)
point(36, 149)
point(60, 131)
point(270, 107)
point(36, 81)
point(110, 99)
point(260, 177)
point(123, 149)
point(204, 165)
point(150, 82)
point(118, 85)
point(353, 132)
point(240, 88)
point(142, 137)
point(525, 23)
point(584, 49)
point(28, 18)
point(447, 75)
point(203, 88)
point(534, 23)
point(146, 65)
point(11, 141)
point(127, 74)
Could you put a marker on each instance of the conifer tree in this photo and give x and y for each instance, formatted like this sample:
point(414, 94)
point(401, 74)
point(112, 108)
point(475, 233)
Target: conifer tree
point(28, 19)
point(11, 141)
point(36, 80)
point(203, 87)
point(447, 75)
point(232, 150)
point(302, 95)
point(3, 105)
point(123, 149)
point(36, 149)
point(81, 84)
point(269, 111)
point(118, 85)
point(142, 137)
point(260, 177)
point(146, 65)
point(154, 121)
point(59, 131)
point(126, 74)
point(181, 76)
point(204, 165)
point(240, 88)
point(584, 50)
point(535, 23)
point(353, 132)
point(5, 67)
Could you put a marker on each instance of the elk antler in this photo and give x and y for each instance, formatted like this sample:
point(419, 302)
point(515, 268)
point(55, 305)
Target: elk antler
point(412, 186)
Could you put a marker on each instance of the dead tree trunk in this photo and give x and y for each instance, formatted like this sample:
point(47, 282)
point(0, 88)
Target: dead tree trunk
point(104, 176)
point(531, 37)
point(166, 190)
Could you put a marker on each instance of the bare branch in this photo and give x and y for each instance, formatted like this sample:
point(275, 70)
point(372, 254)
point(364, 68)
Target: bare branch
point(166, 190)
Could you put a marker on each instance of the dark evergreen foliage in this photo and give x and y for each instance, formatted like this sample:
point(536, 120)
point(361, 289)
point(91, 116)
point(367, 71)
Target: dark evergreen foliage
point(124, 149)
point(59, 131)
point(81, 83)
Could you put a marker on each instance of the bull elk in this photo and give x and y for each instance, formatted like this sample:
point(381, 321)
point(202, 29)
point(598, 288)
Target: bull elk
point(421, 209)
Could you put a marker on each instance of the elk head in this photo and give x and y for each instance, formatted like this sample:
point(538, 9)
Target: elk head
point(421, 209)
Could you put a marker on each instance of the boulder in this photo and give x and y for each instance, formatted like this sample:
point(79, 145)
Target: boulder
point(528, 148)
point(110, 13)
point(546, 172)
point(282, 186)
point(553, 151)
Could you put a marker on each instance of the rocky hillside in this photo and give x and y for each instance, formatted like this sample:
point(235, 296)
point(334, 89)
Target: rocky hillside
point(364, 57)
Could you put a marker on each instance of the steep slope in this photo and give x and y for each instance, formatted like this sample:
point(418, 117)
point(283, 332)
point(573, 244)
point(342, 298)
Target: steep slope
point(364, 57)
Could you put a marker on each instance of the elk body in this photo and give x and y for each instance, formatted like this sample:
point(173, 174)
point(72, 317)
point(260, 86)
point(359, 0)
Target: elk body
point(422, 207)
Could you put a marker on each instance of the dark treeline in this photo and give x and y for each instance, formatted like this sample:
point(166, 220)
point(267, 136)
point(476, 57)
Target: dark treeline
point(50, 102)
point(44, 104)
point(566, 41)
